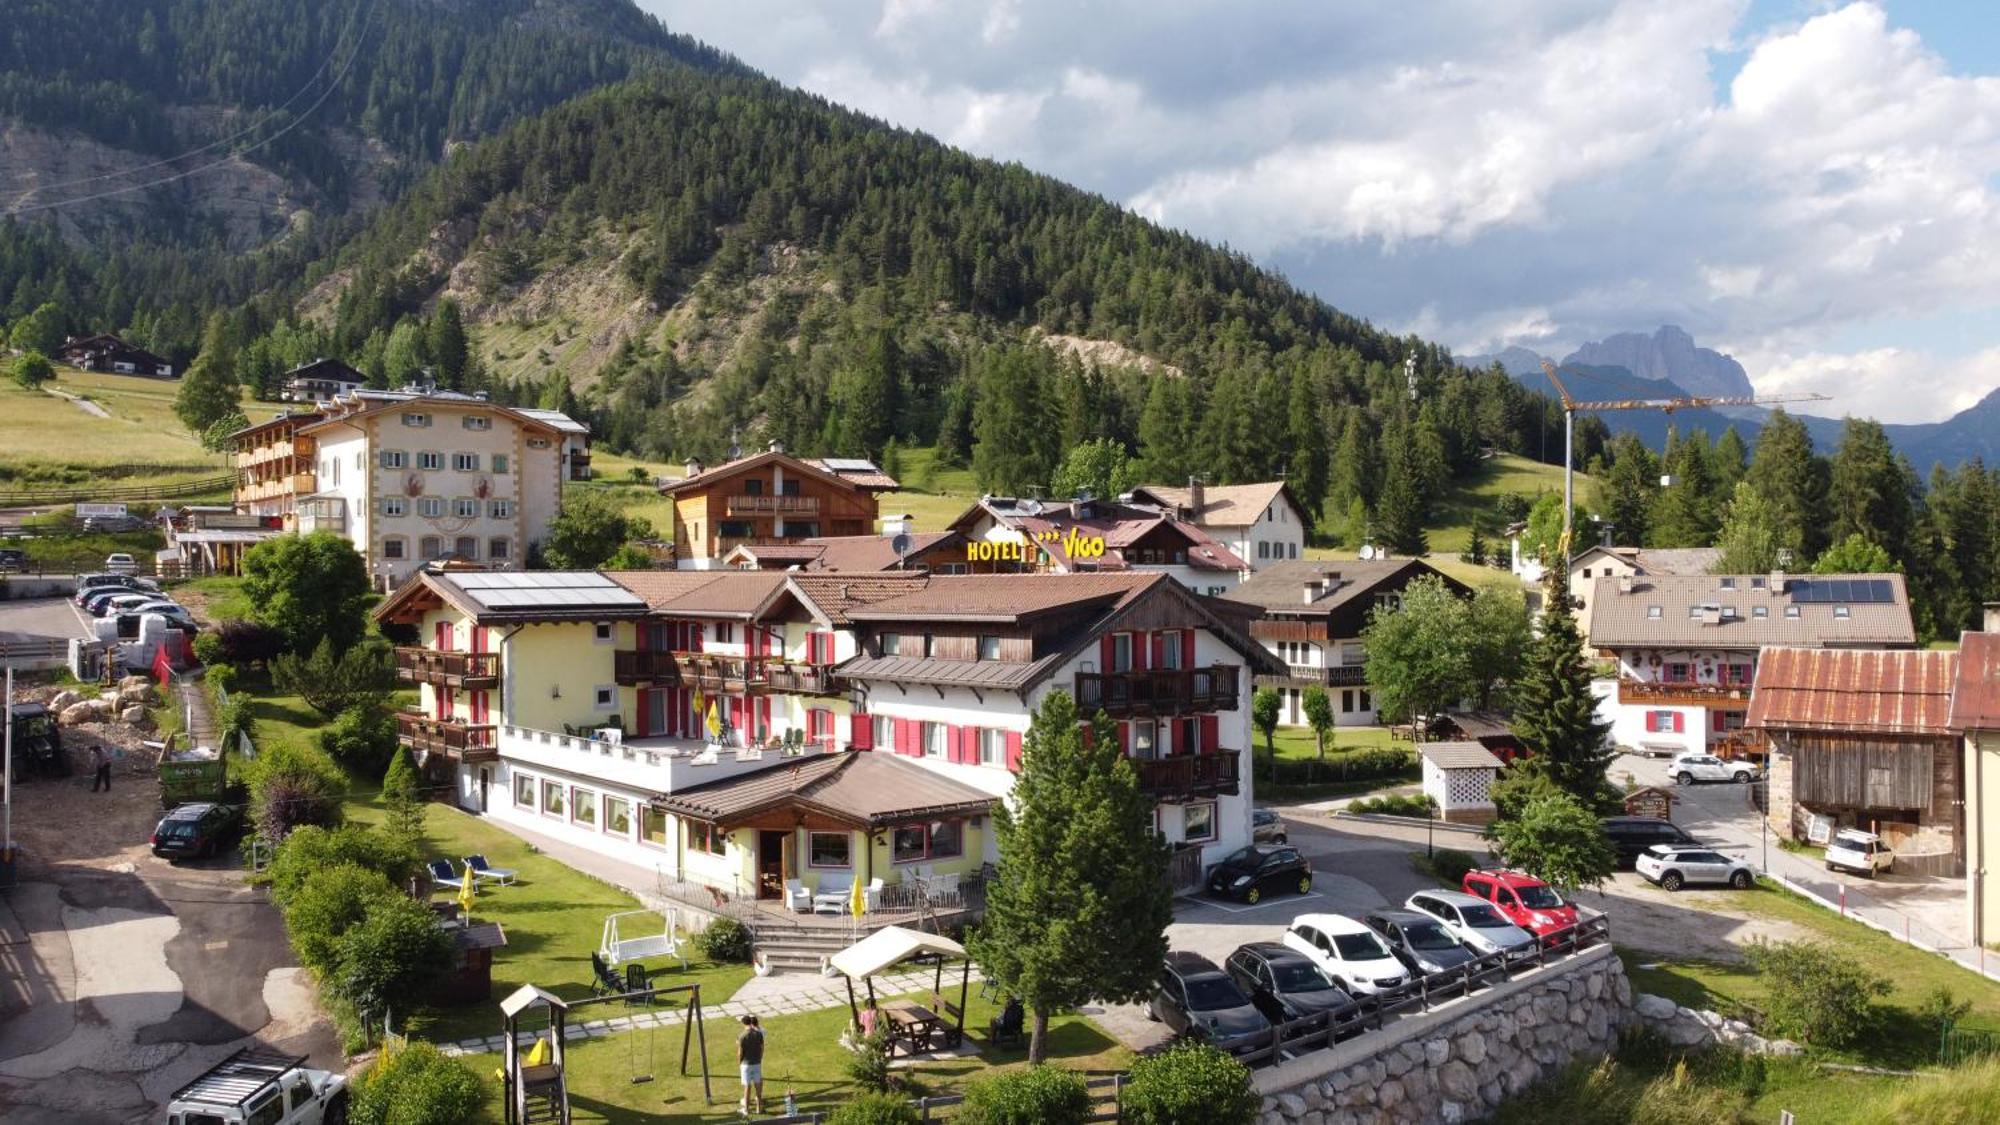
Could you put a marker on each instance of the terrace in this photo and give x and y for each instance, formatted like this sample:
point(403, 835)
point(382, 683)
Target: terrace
point(1191, 775)
point(1159, 691)
point(447, 669)
point(453, 738)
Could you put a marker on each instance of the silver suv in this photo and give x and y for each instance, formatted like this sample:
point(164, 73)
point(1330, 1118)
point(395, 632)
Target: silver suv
point(1690, 768)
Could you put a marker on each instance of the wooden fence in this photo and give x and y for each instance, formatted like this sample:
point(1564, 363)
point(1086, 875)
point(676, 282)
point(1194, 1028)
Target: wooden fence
point(22, 498)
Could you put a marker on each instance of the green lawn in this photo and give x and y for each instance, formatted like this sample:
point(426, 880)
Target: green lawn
point(1296, 743)
point(802, 1054)
point(1451, 525)
point(1898, 1042)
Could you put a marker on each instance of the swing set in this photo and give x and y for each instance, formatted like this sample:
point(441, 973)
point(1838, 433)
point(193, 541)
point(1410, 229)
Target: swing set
point(536, 1090)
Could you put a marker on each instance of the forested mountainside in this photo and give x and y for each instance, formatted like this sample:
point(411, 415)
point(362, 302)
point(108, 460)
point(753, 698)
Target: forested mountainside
point(292, 114)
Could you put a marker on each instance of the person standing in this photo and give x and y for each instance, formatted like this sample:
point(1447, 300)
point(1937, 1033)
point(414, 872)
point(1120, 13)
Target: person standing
point(750, 1064)
point(100, 768)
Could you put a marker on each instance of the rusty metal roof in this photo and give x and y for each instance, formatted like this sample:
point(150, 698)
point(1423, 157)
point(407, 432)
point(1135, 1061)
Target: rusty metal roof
point(1869, 691)
point(1975, 702)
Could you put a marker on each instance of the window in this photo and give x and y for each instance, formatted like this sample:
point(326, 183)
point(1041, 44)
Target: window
point(1729, 583)
point(1791, 611)
point(465, 462)
point(1144, 739)
point(465, 547)
point(301, 1094)
point(392, 547)
point(1263, 549)
point(498, 548)
point(477, 422)
point(413, 419)
point(753, 487)
point(1679, 673)
point(500, 509)
point(910, 844)
point(1653, 612)
point(1840, 613)
point(652, 825)
point(524, 790)
point(1756, 583)
point(725, 633)
point(607, 697)
point(1121, 652)
point(267, 1112)
point(1760, 612)
point(829, 849)
point(930, 645)
point(706, 838)
point(583, 807)
point(992, 747)
point(884, 731)
point(1198, 821)
point(430, 460)
point(947, 839)
point(430, 507)
point(602, 633)
point(989, 647)
point(538, 443)
point(430, 547)
point(1294, 549)
point(1694, 613)
point(394, 459)
point(892, 644)
point(1729, 613)
point(736, 529)
point(499, 462)
point(465, 508)
point(1170, 649)
point(552, 798)
point(617, 815)
point(935, 735)
point(395, 506)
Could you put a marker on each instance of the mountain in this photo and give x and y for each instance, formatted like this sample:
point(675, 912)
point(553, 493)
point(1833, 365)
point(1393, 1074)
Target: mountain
point(1521, 363)
point(1669, 355)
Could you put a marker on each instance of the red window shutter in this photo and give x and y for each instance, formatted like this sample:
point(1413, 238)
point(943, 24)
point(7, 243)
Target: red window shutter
point(1089, 734)
point(1159, 650)
point(1187, 648)
point(902, 729)
point(968, 746)
point(1140, 650)
point(1124, 738)
point(1104, 651)
point(1014, 751)
point(639, 725)
point(1716, 719)
point(1211, 734)
point(1680, 722)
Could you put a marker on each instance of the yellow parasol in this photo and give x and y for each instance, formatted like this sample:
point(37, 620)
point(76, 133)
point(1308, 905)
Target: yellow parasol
point(465, 893)
point(713, 721)
point(857, 900)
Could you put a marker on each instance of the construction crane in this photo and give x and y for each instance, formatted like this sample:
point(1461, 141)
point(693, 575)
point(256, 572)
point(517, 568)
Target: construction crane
point(1664, 405)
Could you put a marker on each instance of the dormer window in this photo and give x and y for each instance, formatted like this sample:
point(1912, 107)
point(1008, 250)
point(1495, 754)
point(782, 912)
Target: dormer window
point(1653, 613)
point(1729, 583)
point(1841, 613)
point(1791, 611)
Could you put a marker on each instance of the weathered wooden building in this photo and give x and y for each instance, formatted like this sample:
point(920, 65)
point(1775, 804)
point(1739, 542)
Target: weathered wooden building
point(1861, 738)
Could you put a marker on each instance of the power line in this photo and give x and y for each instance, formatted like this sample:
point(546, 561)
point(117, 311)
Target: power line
point(361, 18)
point(295, 123)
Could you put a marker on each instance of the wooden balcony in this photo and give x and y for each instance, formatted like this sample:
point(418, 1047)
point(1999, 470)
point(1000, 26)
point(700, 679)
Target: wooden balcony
point(1159, 691)
point(1191, 775)
point(1733, 697)
point(645, 669)
point(772, 505)
point(453, 738)
point(801, 679)
point(755, 675)
point(447, 669)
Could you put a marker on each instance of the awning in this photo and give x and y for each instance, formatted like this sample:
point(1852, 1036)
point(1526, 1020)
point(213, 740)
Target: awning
point(891, 946)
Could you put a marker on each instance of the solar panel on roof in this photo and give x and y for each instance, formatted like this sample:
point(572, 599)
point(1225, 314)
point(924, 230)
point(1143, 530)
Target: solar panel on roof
point(1881, 591)
point(849, 464)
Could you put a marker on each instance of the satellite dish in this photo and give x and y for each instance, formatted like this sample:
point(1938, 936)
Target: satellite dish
point(1367, 550)
point(902, 545)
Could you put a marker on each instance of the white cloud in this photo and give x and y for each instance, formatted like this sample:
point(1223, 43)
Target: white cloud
point(1890, 384)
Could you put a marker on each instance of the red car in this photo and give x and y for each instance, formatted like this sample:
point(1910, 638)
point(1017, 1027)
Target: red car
point(1523, 900)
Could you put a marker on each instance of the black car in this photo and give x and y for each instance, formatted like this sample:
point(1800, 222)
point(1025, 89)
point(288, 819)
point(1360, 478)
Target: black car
point(1249, 872)
point(1266, 826)
point(1420, 941)
point(197, 830)
point(1283, 983)
point(1631, 836)
point(13, 558)
point(1198, 1000)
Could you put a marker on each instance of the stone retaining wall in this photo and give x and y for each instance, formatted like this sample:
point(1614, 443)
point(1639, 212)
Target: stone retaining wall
point(1689, 1027)
point(1458, 1062)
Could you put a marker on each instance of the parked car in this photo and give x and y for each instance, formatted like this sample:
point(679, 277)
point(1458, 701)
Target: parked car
point(1349, 952)
point(260, 1086)
point(89, 584)
point(197, 830)
point(118, 562)
point(1631, 835)
point(1673, 867)
point(1266, 826)
point(119, 603)
point(1475, 921)
point(1283, 983)
point(1521, 899)
point(1198, 1000)
point(1421, 942)
point(13, 559)
point(1864, 853)
point(1692, 767)
point(1248, 872)
point(173, 611)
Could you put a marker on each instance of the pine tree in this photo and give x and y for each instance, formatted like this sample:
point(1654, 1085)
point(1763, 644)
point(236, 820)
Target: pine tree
point(1353, 476)
point(1749, 535)
point(1555, 712)
point(1870, 488)
point(1685, 513)
point(1080, 909)
point(449, 349)
point(1792, 480)
point(1399, 518)
point(1627, 489)
point(1308, 469)
point(209, 392)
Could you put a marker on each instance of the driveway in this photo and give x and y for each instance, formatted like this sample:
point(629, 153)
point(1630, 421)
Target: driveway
point(122, 977)
point(33, 619)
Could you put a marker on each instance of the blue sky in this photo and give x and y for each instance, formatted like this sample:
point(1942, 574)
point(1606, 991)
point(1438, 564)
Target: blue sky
point(1812, 187)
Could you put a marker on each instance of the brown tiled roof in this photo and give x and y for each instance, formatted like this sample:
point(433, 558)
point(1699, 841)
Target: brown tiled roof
point(837, 594)
point(1619, 620)
point(875, 480)
point(724, 593)
point(714, 473)
point(1678, 560)
point(658, 587)
point(1476, 725)
point(1006, 674)
point(1005, 597)
point(1876, 691)
point(1222, 505)
point(1119, 525)
point(870, 552)
point(1975, 702)
point(786, 553)
point(859, 787)
point(1279, 587)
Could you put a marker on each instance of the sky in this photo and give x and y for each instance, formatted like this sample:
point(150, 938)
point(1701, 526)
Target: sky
point(1811, 187)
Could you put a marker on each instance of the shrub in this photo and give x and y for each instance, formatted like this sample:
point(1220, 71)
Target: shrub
point(1366, 764)
point(1190, 1083)
point(1394, 804)
point(1449, 865)
point(1939, 1010)
point(326, 905)
point(222, 677)
point(1817, 994)
point(725, 939)
point(291, 787)
point(396, 951)
point(876, 1109)
point(236, 722)
point(330, 684)
point(312, 849)
point(247, 642)
point(868, 1065)
point(1042, 1095)
point(361, 738)
point(208, 649)
point(417, 1085)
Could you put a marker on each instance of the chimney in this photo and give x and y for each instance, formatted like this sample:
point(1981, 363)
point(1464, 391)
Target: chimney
point(1311, 591)
point(895, 525)
point(1624, 583)
point(776, 446)
point(1195, 499)
point(693, 467)
point(1777, 583)
point(1992, 624)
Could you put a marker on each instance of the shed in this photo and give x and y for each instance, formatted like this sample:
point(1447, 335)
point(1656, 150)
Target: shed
point(1458, 778)
point(1490, 729)
point(471, 977)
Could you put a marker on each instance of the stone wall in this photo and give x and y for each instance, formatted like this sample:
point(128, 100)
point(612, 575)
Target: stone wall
point(1459, 1061)
point(1689, 1027)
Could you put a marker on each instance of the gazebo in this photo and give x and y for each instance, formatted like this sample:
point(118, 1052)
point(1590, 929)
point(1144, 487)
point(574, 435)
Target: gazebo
point(910, 1023)
point(1458, 778)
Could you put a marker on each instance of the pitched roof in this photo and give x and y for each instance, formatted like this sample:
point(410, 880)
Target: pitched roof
point(1877, 691)
point(1119, 525)
point(1624, 619)
point(363, 404)
point(858, 787)
point(714, 473)
point(835, 595)
point(703, 593)
point(1459, 755)
point(1975, 701)
point(1222, 505)
point(513, 595)
point(1678, 560)
point(1005, 597)
point(858, 471)
point(1279, 587)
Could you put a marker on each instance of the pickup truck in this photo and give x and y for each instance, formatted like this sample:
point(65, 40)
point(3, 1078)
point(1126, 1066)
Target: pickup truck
point(260, 1086)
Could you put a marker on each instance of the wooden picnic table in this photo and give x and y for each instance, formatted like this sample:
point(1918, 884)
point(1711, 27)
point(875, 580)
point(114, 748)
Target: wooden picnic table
point(911, 1023)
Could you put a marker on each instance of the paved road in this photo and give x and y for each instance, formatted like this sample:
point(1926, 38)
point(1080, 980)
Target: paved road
point(39, 618)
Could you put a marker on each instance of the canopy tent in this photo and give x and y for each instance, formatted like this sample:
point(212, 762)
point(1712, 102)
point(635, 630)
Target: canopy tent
point(891, 946)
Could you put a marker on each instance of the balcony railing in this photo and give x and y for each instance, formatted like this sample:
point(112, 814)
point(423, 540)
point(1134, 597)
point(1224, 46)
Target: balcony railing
point(802, 679)
point(447, 669)
point(755, 674)
point(1338, 675)
point(1191, 775)
point(648, 669)
point(1687, 693)
point(1159, 691)
point(453, 738)
point(773, 505)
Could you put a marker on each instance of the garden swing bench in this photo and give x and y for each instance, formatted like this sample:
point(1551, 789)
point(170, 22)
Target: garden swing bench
point(626, 938)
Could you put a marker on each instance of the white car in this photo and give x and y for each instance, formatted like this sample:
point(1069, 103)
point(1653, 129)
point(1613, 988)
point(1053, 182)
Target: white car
point(1349, 952)
point(118, 562)
point(1674, 866)
point(1862, 852)
point(1690, 768)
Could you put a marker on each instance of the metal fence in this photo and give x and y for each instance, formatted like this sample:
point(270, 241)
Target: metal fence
point(1963, 1045)
point(1106, 1091)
